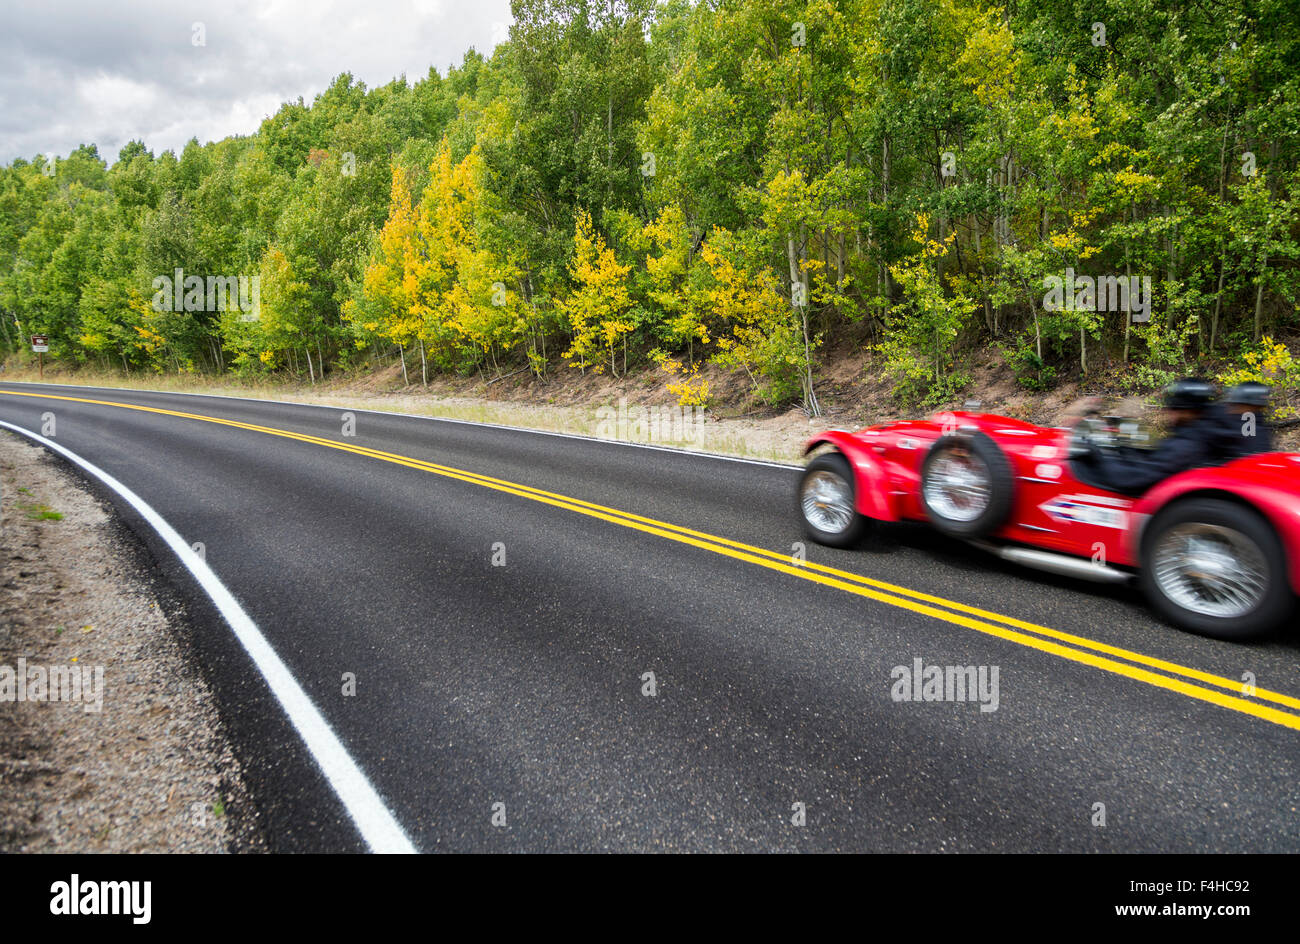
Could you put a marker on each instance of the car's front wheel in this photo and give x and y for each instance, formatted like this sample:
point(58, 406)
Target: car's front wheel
point(1216, 568)
point(828, 502)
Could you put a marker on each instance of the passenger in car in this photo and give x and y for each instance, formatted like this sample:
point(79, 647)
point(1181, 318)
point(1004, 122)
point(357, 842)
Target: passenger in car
point(1244, 427)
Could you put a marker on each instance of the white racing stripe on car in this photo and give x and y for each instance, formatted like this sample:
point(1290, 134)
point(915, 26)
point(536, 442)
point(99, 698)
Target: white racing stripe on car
point(373, 820)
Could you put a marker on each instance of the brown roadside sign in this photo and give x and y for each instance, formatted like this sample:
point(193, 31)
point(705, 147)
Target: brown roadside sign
point(40, 344)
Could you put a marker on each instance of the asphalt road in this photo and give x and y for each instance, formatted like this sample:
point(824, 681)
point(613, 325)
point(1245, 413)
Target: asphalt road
point(521, 681)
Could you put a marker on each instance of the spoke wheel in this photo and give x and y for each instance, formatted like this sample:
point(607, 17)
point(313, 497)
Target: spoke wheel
point(967, 485)
point(1216, 567)
point(827, 500)
point(958, 486)
point(1210, 569)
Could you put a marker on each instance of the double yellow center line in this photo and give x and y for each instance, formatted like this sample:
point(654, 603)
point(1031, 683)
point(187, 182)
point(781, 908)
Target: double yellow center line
point(1194, 683)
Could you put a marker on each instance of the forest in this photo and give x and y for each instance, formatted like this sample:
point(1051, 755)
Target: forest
point(630, 185)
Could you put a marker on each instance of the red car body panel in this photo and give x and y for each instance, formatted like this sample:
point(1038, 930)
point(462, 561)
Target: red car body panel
point(1052, 509)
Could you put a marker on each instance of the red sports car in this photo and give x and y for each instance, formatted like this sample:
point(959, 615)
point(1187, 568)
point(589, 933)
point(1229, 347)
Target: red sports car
point(1216, 549)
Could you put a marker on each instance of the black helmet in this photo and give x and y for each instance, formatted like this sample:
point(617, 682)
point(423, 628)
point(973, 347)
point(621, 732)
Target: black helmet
point(1190, 393)
point(1250, 393)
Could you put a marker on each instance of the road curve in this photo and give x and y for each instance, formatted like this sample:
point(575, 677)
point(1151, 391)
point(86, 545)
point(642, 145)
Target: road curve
point(500, 597)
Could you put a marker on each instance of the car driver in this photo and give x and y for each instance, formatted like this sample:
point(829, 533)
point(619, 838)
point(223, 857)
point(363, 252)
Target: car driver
point(1196, 425)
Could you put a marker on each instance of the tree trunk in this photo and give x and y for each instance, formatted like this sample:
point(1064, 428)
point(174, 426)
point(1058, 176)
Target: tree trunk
point(1128, 315)
point(1171, 270)
point(1259, 300)
point(1223, 259)
point(1218, 302)
point(1259, 288)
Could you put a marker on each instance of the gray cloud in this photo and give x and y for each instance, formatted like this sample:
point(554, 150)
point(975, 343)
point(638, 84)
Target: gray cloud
point(109, 72)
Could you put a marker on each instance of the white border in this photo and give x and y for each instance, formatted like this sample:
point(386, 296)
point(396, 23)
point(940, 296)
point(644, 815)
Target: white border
point(373, 820)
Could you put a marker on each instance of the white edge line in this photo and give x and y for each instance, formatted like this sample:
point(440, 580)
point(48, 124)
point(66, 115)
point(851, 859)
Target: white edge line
point(371, 816)
point(416, 416)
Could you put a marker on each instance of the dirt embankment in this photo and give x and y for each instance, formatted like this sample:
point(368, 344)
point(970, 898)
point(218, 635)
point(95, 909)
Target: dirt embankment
point(132, 759)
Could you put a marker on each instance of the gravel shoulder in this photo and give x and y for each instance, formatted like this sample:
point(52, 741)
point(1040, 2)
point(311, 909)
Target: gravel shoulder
point(138, 762)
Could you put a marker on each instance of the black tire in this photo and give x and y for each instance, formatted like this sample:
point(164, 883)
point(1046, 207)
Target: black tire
point(1169, 589)
point(983, 454)
point(830, 471)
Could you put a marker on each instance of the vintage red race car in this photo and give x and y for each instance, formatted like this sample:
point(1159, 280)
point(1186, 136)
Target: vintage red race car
point(1216, 549)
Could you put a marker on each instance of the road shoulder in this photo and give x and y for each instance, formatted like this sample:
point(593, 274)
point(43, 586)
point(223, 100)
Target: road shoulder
point(137, 761)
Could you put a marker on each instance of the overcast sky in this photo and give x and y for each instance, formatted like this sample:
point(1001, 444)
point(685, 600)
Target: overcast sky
point(109, 71)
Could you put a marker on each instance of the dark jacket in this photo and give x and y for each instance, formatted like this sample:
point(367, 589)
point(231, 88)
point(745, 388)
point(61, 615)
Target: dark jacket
point(1234, 437)
point(1133, 471)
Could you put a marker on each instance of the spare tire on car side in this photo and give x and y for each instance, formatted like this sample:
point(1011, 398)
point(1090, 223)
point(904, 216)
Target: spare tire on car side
point(967, 485)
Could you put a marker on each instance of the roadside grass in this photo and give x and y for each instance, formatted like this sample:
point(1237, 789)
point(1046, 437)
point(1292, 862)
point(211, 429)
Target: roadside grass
point(39, 512)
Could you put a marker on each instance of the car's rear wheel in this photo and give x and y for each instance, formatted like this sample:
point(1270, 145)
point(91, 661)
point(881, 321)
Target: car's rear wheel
point(966, 485)
point(1216, 568)
point(827, 498)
